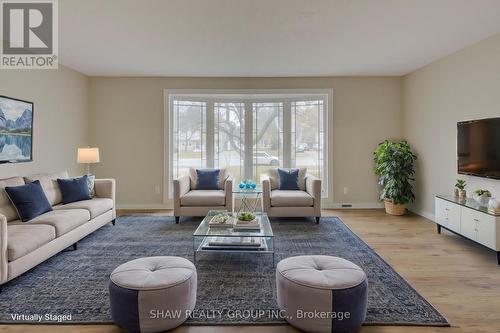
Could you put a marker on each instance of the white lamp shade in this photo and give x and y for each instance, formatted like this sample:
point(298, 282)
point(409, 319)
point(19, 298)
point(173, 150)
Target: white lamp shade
point(88, 155)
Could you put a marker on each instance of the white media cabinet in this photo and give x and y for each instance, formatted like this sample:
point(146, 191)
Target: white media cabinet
point(470, 220)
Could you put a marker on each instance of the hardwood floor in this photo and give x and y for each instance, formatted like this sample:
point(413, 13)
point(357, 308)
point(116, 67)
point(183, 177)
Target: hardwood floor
point(461, 279)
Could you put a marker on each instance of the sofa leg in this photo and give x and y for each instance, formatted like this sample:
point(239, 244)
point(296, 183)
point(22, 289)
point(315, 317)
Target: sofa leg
point(113, 222)
point(317, 219)
point(177, 219)
point(75, 246)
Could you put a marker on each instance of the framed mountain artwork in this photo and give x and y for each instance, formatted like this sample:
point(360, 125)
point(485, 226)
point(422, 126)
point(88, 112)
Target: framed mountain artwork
point(16, 130)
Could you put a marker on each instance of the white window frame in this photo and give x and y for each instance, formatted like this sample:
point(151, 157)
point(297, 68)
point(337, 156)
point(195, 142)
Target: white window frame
point(251, 96)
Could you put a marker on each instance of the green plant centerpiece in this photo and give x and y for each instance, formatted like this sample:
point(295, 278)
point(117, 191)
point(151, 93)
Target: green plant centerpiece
point(460, 188)
point(394, 166)
point(482, 196)
point(246, 217)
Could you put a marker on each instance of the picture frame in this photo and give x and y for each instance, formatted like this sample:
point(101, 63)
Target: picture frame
point(16, 130)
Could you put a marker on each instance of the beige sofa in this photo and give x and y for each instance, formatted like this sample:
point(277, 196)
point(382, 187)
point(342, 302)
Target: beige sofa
point(291, 203)
point(23, 245)
point(189, 202)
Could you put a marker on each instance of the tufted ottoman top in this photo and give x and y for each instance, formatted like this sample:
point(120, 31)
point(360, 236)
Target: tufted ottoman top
point(153, 273)
point(321, 272)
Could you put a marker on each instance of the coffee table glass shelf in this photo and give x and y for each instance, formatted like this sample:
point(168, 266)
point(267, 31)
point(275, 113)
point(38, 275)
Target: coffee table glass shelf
point(208, 238)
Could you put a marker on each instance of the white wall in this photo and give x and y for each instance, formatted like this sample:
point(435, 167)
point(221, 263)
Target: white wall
point(60, 117)
point(126, 122)
point(465, 85)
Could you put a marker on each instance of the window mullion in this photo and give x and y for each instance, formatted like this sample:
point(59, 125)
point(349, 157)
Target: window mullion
point(287, 134)
point(210, 140)
point(248, 161)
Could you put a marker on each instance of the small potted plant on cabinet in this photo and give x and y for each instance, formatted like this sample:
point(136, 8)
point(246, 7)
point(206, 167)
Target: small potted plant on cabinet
point(394, 163)
point(482, 196)
point(460, 189)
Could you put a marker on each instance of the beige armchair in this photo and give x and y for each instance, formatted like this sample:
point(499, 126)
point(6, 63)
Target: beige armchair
point(189, 202)
point(292, 203)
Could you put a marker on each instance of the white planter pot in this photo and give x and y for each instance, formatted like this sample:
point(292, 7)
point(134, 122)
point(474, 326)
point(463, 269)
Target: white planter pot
point(481, 199)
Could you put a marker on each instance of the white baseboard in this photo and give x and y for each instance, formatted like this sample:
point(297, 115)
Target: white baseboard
point(372, 205)
point(427, 215)
point(143, 206)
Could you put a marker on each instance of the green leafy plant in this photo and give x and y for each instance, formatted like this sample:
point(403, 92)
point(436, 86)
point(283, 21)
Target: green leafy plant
point(481, 192)
point(461, 184)
point(246, 217)
point(394, 162)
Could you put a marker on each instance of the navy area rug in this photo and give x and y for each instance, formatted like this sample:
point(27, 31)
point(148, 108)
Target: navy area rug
point(75, 283)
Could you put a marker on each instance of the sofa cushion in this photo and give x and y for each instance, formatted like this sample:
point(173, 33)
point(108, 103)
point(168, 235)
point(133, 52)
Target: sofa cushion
point(95, 206)
point(204, 198)
point(25, 238)
point(290, 198)
point(49, 185)
point(274, 178)
point(64, 220)
point(74, 189)
point(6, 207)
point(29, 199)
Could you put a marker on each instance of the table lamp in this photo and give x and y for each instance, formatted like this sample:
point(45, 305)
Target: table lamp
point(88, 155)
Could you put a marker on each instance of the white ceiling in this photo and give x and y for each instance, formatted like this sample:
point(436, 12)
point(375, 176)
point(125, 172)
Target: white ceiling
point(267, 37)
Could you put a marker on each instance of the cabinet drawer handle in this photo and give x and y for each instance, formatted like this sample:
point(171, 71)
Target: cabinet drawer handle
point(476, 220)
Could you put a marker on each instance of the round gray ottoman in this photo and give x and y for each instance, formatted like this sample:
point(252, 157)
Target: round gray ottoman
point(152, 294)
point(322, 293)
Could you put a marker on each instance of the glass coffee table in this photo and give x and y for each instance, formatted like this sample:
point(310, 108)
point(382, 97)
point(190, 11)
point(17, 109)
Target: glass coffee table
point(228, 239)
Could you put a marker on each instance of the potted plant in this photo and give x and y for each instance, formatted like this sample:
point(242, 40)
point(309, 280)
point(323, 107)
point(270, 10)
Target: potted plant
point(460, 188)
point(394, 163)
point(482, 196)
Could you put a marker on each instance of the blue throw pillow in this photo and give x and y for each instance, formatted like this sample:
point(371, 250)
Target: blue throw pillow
point(288, 179)
point(74, 189)
point(207, 179)
point(29, 199)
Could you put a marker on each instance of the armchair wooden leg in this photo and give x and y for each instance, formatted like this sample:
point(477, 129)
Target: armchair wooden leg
point(177, 219)
point(317, 219)
point(75, 246)
point(113, 222)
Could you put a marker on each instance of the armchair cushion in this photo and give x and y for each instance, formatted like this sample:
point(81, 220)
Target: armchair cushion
point(204, 198)
point(291, 198)
point(289, 179)
point(223, 175)
point(274, 178)
point(207, 179)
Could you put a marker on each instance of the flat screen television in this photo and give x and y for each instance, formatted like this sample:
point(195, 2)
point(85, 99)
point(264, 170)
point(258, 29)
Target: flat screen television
point(16, 130)
point(478, 147)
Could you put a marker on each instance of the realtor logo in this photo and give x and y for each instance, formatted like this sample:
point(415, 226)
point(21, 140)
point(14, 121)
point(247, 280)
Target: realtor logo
point(29, 34)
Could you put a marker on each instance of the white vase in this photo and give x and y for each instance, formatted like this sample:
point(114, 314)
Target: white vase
point(494, 203)
point(481, 199)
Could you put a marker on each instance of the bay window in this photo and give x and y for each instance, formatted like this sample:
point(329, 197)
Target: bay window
point(247, 133)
